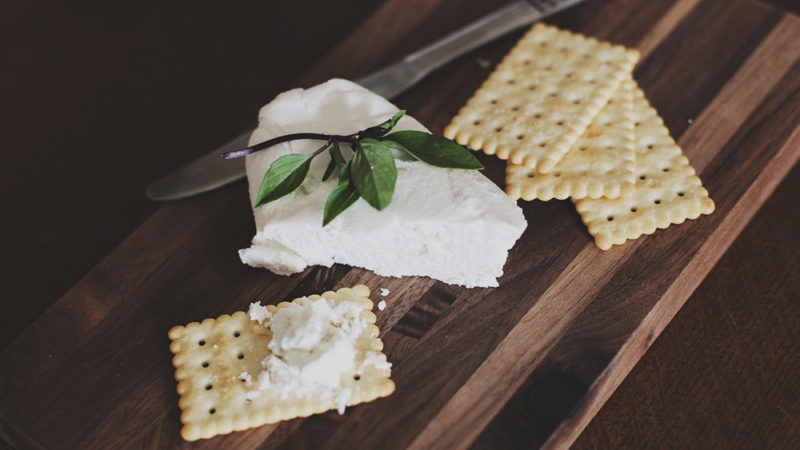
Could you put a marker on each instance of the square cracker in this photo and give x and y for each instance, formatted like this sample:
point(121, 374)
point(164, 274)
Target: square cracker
point(667, 191)
point(600, 163)
point(217, 360)
point(541, 97)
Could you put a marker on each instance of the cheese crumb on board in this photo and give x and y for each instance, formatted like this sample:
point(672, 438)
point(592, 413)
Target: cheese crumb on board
point(384, 292)
point(382, 305)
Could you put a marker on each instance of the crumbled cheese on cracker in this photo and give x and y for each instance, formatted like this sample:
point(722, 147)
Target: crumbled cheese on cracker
point(313, 347)
point(247, 378)
point(259, 313)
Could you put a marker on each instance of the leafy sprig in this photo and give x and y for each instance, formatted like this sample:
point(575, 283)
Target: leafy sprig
point(370, 174)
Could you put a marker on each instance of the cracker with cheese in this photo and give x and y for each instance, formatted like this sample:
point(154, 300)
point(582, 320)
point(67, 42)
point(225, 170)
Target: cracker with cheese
point(294, 359)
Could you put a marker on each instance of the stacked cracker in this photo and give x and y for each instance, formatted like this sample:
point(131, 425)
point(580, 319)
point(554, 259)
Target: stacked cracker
point(565, 112)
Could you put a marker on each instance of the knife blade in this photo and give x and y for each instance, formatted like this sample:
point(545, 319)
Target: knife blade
point(212, 171)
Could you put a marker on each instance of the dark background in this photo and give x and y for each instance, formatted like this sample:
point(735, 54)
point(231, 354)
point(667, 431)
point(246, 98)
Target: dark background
point(99, 98)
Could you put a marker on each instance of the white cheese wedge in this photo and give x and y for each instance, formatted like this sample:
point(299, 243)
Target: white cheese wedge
point(452, 225)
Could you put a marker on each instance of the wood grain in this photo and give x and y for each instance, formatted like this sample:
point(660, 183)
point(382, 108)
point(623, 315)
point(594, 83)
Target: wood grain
point(93, 370)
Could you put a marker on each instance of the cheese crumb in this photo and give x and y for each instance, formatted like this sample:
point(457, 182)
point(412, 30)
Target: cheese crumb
point(259, 313)
point(247, 378)
point(384, 292)
point(313, 348)
point(382, 305)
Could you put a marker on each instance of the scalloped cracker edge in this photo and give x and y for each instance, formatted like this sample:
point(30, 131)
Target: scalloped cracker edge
point(541, 97)
point(217, 360)
point(666, 192)
point(600, 164)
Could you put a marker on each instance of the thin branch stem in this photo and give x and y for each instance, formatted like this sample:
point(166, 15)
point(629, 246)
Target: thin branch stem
point(331, 138)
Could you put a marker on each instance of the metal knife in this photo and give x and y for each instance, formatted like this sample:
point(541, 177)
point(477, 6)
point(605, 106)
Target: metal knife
point(212, 171)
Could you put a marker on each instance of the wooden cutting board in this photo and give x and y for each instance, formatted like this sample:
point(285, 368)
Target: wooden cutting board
point(94, 370)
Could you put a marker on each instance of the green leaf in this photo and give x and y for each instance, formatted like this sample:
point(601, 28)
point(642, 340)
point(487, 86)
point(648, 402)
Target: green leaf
point(336, 155)
point(433, 149)
point(337, 160)
point(329, 170)
point(389, 124)
point(374, 173)
point(344, 195)
point(400, 147)
point(284, 175)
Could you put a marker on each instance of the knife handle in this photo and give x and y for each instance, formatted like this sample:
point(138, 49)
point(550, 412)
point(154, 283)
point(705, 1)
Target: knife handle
point(398, 77)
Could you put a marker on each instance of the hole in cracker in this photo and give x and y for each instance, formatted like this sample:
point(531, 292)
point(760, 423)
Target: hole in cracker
point(681, 194)
point(557, 174)
point(637, 124)
point(560, 123)
point(212, 410)
point(657, 202)
point(542, 144)
point(569, 75)
point(515, 108)
point(665, 169)
point(642, 177)
point(634, 210)
point(477, 122)
point(209, 387)
point(548, 68)
point(584, 173)
point(241, 356)
point(583, 149)
point(201, 343)
point(650, 147)
point(527, 62)
point(576, 102)
point(532, 87)
point(542, 44)
point(494, 101)
point(498, 129)
point(553, 95)
point(592, 82)
point(206, 364)
point(356, 377)
point(531, 175)
point(537, 116)
point(511, 81)
point(520, 136)
point(610, 218)
point(236, 334)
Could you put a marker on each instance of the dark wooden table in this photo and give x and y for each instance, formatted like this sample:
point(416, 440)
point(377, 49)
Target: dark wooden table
point(99, 98)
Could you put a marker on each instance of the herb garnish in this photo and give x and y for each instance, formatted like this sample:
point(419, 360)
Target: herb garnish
point(371, 172)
